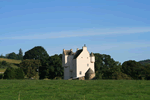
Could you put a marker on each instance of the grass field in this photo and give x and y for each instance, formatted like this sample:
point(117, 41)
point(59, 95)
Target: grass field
point(12, 63)
point(2, 69)
point(74, 90)
point(10, 60)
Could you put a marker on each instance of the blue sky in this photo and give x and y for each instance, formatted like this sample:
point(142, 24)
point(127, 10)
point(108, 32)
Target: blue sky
point(119, 28)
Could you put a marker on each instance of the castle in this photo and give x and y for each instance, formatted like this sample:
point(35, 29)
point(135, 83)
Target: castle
point(79, 64)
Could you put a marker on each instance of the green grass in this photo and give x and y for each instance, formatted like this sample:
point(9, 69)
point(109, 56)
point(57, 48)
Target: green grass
point(11, 60)
point(74, 90)
point(12, 63)
point(2, 69)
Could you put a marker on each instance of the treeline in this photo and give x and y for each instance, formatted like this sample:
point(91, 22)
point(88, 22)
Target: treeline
point(37, 61)
point(13, 55)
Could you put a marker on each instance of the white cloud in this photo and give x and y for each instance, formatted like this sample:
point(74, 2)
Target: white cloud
point(88, 32)
point(119, 46)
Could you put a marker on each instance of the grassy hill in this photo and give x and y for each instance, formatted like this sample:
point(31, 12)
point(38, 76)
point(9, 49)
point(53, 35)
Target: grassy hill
point(13, 63)
point(10, 60)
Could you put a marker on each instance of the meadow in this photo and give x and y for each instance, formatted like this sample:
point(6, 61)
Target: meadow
point(74, 90)
point(10, 60)
point(12, 63)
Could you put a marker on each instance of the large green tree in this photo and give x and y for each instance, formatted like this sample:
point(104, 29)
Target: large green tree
point(37, 52)
point(10, 73)
point(105, 66)
point(30, 67)
point(13, 73)
point(132, 68)
point(12, 56)
point(53, 68)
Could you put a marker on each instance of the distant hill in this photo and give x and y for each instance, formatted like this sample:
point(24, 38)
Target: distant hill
point(144, 62)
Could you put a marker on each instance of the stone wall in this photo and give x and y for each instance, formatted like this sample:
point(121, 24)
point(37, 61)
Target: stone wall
point(90, 76)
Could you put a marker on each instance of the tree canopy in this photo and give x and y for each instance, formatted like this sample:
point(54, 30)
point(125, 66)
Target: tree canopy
point(37, 52)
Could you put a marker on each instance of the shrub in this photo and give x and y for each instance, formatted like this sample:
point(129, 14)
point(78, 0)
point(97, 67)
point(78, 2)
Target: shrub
point(12, 73)
point(9, 73)
point(120, 75)
point(1, 76)
point(19, 74)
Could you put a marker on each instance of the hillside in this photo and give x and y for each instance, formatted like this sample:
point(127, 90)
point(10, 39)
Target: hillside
point(13, 63)
point(144, 62)
point(10, 60)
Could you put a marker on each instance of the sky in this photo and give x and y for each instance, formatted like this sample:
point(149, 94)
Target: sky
point(119, 28)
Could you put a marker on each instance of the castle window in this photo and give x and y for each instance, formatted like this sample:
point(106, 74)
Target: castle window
point(80, 72)
point(87, 57)
point(87, 64)
point(81, 57)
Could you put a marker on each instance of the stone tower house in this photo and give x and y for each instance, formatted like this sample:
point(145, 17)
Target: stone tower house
point(78, 64)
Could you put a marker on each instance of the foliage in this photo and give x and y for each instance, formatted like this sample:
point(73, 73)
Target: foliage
point(146, 72)
point(19, 73)
point(13, 73)
point(120, 75)
point(9, 73)
point(144, 62)
point(30, 67)
point(37, 52)
point(20, 54)
point(1, 76)
point(12, 56)
point(105, 66)
point(132, 68)
point(1, 56)
point(4, 64)
point(53, 68)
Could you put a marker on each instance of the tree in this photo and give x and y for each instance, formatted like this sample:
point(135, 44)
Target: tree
point(132, 68)
point(20, 54)
point(37, 52)
point(12, 56)
point(13, 73)
point(9, 73)
point(1, 56)
point(56, 69)
point(146, 72)
point(30, 67)
point(105, 66)
point(120, 75)
point(19, 73)
point(53, 68)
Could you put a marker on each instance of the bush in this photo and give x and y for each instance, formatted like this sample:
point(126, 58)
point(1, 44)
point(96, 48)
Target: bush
point(99, 76)
point(4, 63)
point(12, 73)
point(1, 76)
point(9, 73)
point(120, 75)
point(19, 74)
